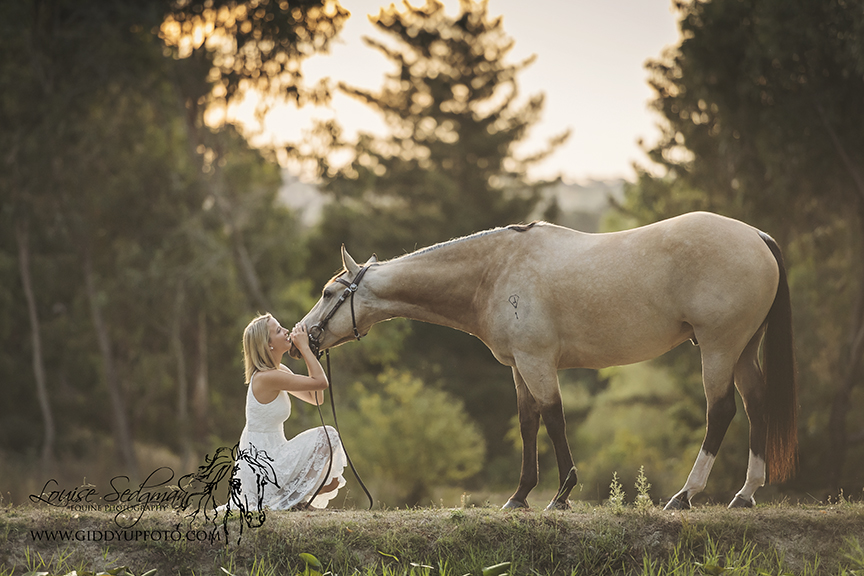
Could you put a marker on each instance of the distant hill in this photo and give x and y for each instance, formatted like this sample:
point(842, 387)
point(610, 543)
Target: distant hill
point(579, 205)
point(304, 198)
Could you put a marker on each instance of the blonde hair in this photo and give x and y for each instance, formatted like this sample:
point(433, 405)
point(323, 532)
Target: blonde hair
point(256, 344)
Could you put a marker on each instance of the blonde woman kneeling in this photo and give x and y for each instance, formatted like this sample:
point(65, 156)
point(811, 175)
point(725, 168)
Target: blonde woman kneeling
point(271, 471)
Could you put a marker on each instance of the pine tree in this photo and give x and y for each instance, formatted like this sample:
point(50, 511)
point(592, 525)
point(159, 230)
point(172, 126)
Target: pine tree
point(449, 165)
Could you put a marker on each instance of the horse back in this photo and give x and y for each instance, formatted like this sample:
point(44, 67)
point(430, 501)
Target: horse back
point(595, 300)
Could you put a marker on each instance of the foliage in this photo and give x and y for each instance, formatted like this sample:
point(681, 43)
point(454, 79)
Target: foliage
point(313, 565)
point(618, 499)
point(250, 45)
point(651, 413)
point(413, 436)
point(616, 494)
point(152, 239)
point(643, 492)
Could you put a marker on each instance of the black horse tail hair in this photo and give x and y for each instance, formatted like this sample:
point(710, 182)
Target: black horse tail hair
point(781, 401)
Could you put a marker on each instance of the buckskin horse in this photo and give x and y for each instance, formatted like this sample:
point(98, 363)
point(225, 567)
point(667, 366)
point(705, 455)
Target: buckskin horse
point(544, 298)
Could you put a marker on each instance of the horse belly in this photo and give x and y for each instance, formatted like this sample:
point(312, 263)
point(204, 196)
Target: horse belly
point(583, 333)
point(618, 343)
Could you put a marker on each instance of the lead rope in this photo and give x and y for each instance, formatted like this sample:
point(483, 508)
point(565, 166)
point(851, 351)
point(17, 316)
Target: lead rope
point(330, 445)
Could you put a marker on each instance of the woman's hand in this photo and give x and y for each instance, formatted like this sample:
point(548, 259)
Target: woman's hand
point(300, 337)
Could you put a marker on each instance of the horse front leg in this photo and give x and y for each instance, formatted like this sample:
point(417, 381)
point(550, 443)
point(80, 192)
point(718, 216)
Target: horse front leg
point(553, 418)
point(529, 425)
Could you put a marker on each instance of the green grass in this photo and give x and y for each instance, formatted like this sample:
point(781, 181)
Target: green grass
point(768, 540)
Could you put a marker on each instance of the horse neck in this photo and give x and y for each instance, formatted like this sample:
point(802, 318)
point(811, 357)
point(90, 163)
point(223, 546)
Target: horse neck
point(438, 286)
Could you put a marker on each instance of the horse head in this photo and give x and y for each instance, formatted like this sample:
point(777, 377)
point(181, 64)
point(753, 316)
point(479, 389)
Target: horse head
point(329, 322)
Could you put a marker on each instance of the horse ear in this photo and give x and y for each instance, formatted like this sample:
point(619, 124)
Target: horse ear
point(349, 263)
point(373, 259)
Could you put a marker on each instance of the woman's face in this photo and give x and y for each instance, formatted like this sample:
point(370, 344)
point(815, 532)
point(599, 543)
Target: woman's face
point(280, 338)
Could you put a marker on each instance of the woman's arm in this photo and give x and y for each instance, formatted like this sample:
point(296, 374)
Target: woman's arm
point(307, 388)
point(314, 396)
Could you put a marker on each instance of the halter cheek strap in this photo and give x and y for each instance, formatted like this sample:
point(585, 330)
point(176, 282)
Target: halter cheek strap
point(352, 287)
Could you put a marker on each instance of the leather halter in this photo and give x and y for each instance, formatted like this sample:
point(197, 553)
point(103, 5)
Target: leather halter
point(317, 330)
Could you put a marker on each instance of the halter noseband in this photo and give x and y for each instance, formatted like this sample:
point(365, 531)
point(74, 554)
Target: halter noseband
point(317, 330)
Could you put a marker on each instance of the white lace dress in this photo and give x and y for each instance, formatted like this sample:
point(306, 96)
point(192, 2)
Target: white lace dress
point(276, 473)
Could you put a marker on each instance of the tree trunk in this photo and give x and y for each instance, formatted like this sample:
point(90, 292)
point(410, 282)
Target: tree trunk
point(182, 380)
point(119, 422)
point(22, 235)
point(216, 184)
point(242, 258)
point(200, 393)
point(247, 270)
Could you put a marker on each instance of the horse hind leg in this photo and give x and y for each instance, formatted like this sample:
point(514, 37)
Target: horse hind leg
point(720, 394)
point(751, 385)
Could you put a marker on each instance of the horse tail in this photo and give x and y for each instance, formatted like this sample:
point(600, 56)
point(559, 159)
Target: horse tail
point(781, 401)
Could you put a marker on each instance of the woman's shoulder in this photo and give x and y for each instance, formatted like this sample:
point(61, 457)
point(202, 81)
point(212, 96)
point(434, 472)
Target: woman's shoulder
point(264, 385)
point(261, 375)
point(270, 375)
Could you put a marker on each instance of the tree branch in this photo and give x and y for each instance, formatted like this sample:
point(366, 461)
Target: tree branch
point(841, 151)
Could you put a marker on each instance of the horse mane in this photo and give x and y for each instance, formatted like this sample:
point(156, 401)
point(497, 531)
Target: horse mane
point(421, 251)
point(524, 227)
point(514, 227)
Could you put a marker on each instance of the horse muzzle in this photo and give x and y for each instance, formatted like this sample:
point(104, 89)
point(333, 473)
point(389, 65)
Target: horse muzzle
point(293, 352)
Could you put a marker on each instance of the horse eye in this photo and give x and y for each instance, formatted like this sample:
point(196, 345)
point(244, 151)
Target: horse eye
point(326, 295)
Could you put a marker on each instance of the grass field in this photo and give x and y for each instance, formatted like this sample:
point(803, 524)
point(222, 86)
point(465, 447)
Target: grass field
point(769, 539)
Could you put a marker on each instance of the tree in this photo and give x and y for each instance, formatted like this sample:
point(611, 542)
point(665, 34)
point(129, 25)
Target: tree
point(449, 165)
point(226, 48)
point(222, 49)
point(762, 115)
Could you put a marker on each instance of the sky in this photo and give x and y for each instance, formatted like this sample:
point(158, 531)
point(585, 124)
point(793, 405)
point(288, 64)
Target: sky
point(590, 64)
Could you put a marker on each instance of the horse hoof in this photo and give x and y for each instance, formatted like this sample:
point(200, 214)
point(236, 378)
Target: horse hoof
point(559, 505)
point(513, 503)
point(739, 502)
point(680, 502)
